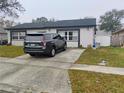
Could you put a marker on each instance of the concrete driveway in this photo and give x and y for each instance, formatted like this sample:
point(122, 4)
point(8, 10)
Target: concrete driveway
point(37, 75)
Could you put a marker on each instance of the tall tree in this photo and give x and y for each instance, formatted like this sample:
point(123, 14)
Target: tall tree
point(52, 20)
point(111, 21)
point(10, 8)
point(43, 20)
point(40, 20)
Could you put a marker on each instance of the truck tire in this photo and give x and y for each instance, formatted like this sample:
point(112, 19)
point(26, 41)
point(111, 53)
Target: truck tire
point(32, 55)
point(65, 47)
point(52, 52)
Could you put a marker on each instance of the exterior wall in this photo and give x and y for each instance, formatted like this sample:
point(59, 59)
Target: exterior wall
point(52, 31)
point(103, 40)
point(103, 37)
point(72, 44)
point(3, 36)
point(118, 39)
point(86, 36)
point(18, 42)
point(21, 42)
point(42, 31)
point(9, 37)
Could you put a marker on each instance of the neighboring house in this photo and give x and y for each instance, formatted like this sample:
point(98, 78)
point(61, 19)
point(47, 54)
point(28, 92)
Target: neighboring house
point(118, 38)
point(77, 32)
point(3, 35)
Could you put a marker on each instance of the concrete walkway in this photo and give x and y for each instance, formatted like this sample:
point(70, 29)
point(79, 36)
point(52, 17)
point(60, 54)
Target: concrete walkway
point(100, 69)
point(4, 59)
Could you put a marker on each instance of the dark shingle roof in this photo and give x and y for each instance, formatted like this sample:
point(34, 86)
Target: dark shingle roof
point(57, 24)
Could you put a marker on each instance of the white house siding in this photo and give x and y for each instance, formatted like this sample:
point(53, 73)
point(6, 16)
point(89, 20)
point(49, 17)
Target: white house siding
point(42, 31)
point(103, 40)
point(21, 42)
point(3, 36)
point(9, 37)
point(18, 42)
point(72, 44)
point(86, 36)
point(52, 31)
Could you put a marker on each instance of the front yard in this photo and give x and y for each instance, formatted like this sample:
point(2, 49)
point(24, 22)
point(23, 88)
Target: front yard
point(90, 82)
point(11, 51)
point(113, 56)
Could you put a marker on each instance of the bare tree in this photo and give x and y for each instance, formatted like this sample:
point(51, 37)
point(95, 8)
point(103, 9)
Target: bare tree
point(6, 23)
point(10, 8)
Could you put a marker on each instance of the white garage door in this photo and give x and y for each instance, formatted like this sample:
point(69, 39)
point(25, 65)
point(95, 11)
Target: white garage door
point(71, 37)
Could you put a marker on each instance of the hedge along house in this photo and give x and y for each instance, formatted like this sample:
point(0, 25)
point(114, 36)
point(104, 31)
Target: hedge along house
point(77, 32)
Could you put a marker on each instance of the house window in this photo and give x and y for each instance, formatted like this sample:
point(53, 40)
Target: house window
point(21, 35)
point(18, 35)
point(15, 35)
point(70, 36)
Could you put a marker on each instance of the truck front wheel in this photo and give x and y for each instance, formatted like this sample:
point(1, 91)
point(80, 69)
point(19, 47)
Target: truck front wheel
point(32, 55)
point(52, 52)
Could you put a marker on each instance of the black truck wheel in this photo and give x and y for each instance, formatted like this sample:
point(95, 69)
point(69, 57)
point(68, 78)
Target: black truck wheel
point(32, 55)
point(65, 47)
point(52, 52)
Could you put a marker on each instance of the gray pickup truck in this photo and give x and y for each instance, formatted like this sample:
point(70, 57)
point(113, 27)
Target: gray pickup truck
point(44, 43)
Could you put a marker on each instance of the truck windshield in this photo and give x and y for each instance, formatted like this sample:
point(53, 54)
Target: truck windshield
point(34, 37)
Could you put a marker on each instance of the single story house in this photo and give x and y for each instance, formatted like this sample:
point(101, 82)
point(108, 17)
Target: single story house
point(118, 38)
point(77, 32)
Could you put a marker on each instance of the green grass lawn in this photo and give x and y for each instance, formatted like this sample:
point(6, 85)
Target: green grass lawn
point(11, 51)
point(90, 82)
point(114, 56)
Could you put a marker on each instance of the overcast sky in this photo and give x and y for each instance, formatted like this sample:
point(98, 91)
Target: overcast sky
point(67, 9)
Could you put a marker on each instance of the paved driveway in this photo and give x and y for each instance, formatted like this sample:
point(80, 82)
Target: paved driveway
point(38, 75)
